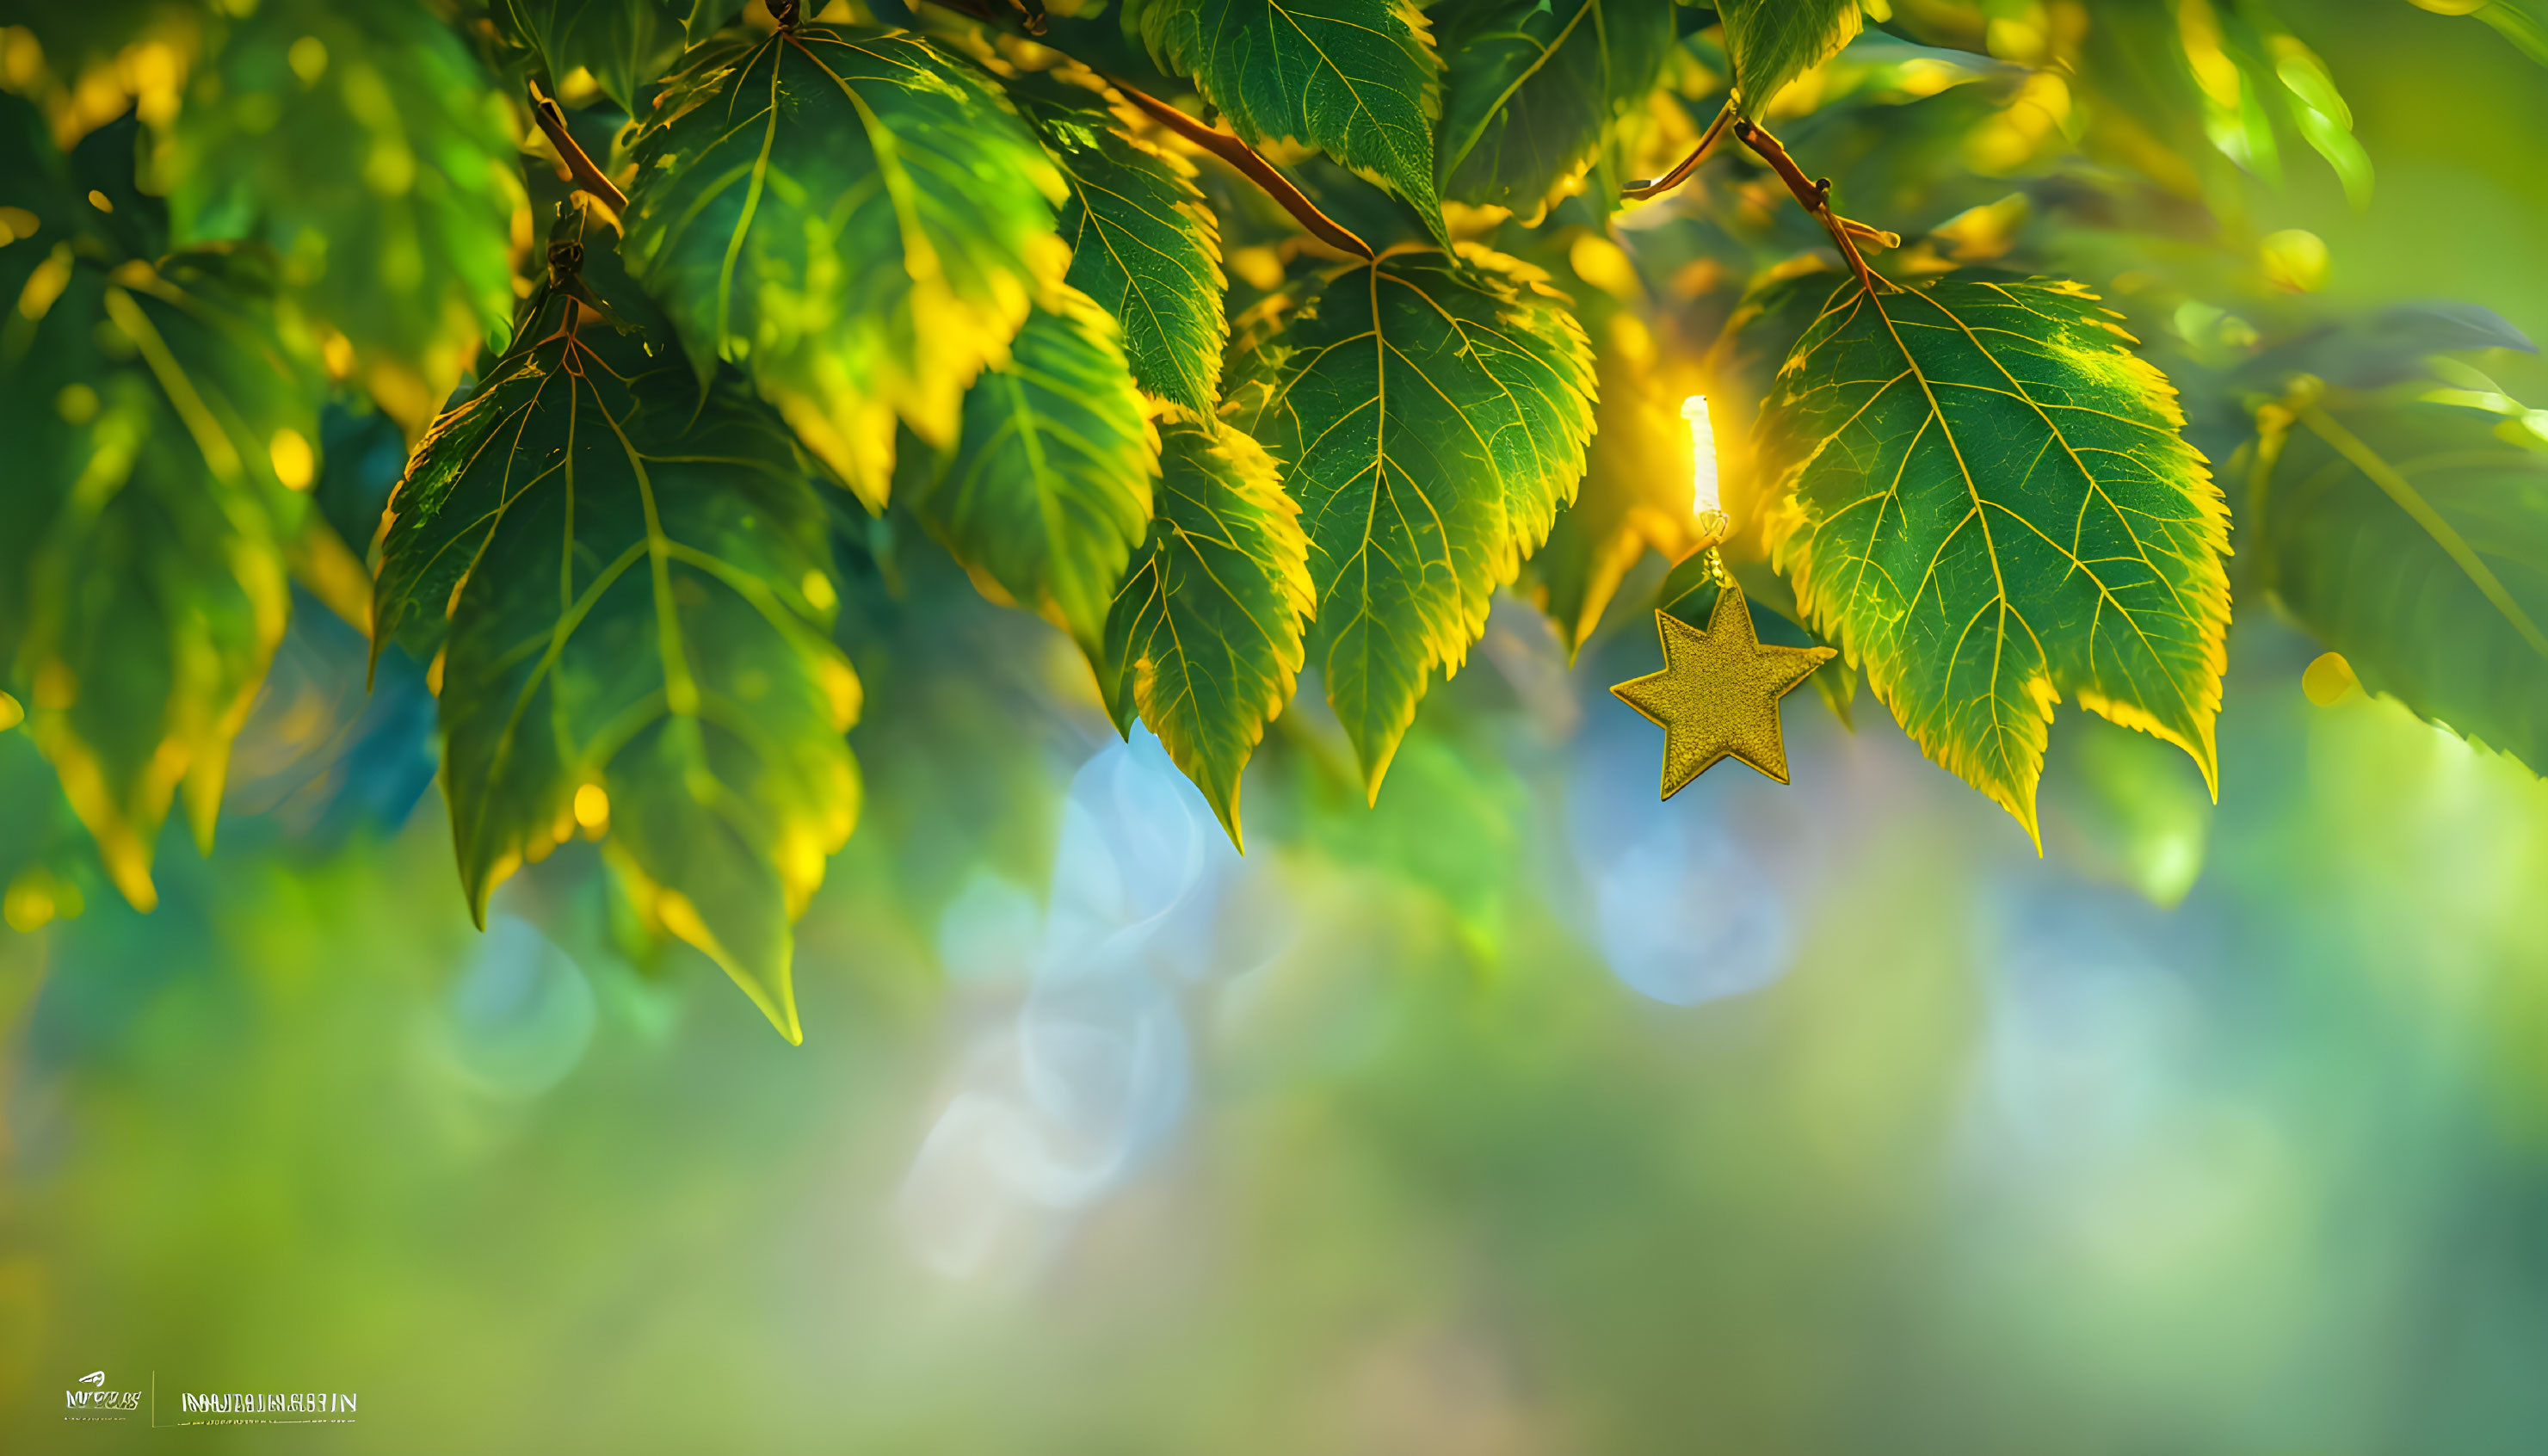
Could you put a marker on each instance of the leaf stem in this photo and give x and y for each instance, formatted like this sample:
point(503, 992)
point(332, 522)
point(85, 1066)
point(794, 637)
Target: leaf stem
point(1815, 197)
point(1249, 163)
point(1658, 186)
point(1029, 16)
point(579, 164)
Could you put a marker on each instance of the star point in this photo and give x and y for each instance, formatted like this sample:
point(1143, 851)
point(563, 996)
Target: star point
point(1717, 696)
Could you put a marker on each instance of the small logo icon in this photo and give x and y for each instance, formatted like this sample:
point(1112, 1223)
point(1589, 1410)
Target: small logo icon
point(88, 1398)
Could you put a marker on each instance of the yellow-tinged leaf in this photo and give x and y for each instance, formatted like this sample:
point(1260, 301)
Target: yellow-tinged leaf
point(858, 221)
point(631, 586)
point(1988, 502)
point(1049, 489)
point(1431, 415)
point(1204, 641)
point(1358, 79)
point(374, 153)
point(142, 580)
point(673, 910)
point(1144, 244)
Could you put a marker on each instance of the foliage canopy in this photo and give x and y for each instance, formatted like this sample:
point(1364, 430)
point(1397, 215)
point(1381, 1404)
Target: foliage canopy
point(1253, 343)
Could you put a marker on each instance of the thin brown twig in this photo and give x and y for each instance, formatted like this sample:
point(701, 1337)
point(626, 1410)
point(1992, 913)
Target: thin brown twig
point(579, 165)
point(1658, 186)
point(1029, 16)
point(1227, 147)
point(1815, 197)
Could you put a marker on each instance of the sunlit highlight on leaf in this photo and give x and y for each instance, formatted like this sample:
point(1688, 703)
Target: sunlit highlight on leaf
point(1989, 504)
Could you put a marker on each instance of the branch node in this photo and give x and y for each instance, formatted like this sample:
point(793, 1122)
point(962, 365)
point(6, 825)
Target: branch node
point(579, 164)
point(1250, 163)
point(1813, 197)
point(1029, 16)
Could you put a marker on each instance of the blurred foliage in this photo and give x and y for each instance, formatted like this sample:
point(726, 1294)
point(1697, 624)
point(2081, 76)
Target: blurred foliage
point(2122, 1176)
point(1513, 1112)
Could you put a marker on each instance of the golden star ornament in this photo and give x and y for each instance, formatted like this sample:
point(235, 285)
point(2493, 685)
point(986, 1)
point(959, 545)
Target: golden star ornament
point(1718, 693)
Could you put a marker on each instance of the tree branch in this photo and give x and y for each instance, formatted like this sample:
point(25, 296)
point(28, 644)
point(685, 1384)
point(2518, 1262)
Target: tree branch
point(579, 165)
point(1029, 16)
point(1655, 187)
point(1250, 163)
point(1815, 197)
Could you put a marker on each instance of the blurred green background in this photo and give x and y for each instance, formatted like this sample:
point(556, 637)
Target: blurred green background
point(1520, 1115)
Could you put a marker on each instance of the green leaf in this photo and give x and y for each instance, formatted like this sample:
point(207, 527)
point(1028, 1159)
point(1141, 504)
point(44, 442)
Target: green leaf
point(1204, 641)
point(632, 585)
point(1048, 490)
point(1142, 244)
point(2414, 539)
point(1530, 85)
point(1986, 500)
point(1772, 42)
point(141, 571)
point(1358, 79)
point(857, 220)
point(1432, 417)
point(627, 45)
point(370, 149)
